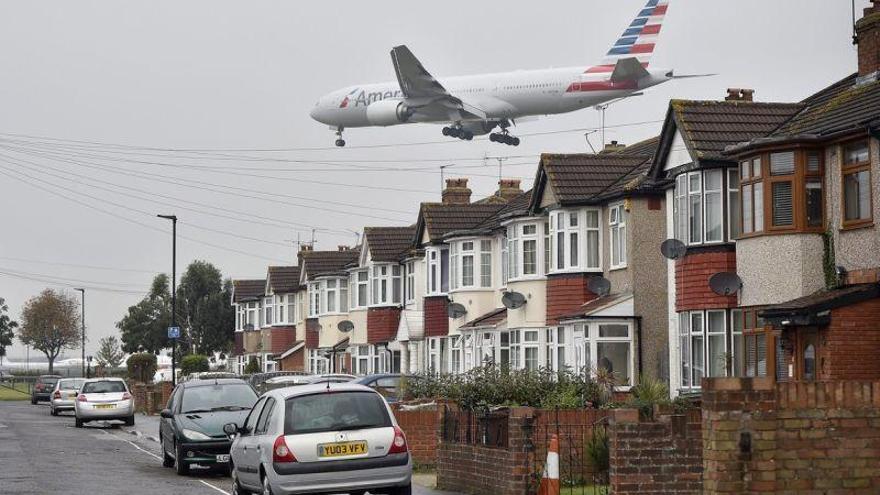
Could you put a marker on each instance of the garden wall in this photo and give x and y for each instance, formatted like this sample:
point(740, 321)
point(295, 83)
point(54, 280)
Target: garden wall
point(662, 455)
point(791, 437)
point(150, 398)
point(422, 429)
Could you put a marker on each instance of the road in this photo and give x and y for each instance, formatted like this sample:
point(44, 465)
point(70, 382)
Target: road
point(41, 454)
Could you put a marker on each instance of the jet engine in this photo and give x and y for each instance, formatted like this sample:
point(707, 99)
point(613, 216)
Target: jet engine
point(388, 112)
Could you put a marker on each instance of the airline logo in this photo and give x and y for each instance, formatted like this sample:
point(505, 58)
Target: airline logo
point(344, 103)
point(364, 99)
point(638, 40)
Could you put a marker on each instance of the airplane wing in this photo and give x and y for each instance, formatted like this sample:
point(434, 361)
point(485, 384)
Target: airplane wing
point(422, 90)
point(628, 69)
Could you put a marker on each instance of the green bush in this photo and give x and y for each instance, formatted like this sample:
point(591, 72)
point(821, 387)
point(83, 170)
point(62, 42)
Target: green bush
point(194, 363)
point(495, 386)
point(598, 453)
point(648, 393)
point(142, 367)
point(253, 366)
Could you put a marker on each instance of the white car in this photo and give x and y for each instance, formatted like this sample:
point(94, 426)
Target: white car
point(64, 396)
point(104, 399)
point(320, 438)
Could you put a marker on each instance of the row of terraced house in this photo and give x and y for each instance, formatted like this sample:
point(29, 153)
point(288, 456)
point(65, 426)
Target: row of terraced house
point(781, 198)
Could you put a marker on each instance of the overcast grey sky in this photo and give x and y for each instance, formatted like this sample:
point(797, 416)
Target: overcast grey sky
point(217, 74)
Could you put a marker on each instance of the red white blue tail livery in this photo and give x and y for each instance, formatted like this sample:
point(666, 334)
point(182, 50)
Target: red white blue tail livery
point(479, 104)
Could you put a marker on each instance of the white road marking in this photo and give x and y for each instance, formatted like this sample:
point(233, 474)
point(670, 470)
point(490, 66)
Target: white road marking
point(214, 487)
point(137, 447)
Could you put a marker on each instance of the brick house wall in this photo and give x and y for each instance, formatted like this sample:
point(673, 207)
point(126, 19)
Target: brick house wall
point(659, 456)
point(313, 333)
point(692, 274)
point(791, 437)
point(851, 343)
point(382, 324)
point(436, 319)
point(281, 339)
point(565, 294)
point(238, 344)
point(294, 362)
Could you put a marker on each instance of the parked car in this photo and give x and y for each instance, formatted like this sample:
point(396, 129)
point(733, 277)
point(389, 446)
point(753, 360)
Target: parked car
point(191, 428)
point(64, 395)
point(296, 380)
point(310, 440)
point(104, 399)
point(207, 375)
point(43, 388)
point(391, 385)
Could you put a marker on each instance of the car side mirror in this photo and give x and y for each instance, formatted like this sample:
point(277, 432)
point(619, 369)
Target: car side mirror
point(231, 429)
point(167, 414)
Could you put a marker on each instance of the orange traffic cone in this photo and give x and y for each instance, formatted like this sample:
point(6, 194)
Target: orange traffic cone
point(550, 479)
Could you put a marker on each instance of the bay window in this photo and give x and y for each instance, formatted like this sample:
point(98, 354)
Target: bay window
point(617, 226)
point(734, 222)
point(360, 288)
point(485, 263)
point(856, 180)
point(314, 299)
point(455, 343)
point(526, 257)
point(386, 284)
point(710, 345)
point(606, 346)
point(555, 355)
point(330, 296)
point(438, 270)
point(250, 313)
point(695, 207)
point(410, 281)
point(530, 349)
point(505, 261)
point(470, 264)
point(702, 200)
point(467, 264)
point(268, 310)
point(576, 240)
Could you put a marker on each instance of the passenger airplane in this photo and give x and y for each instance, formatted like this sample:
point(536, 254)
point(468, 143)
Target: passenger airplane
point(474, 105)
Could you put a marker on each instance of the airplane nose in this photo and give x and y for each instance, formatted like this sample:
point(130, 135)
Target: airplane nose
point(315, 112)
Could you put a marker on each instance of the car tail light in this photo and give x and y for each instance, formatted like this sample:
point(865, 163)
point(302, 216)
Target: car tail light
point(126, 396)
point(57, 395)
point(38, 387)
point(81, 398)
point(398, 445)
point(280, 451)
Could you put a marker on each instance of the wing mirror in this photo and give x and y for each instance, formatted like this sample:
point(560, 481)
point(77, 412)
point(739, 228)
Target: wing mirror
point(231, 429)
point(167, 414)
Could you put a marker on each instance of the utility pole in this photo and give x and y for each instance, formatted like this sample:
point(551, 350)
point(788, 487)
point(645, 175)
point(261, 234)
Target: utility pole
point(443, 178)
point(173, 219)
point(83, 311)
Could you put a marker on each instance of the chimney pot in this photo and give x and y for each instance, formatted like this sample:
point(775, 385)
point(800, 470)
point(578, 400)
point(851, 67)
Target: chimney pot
point(457, 192)
point(737, 94)
point(509, 189)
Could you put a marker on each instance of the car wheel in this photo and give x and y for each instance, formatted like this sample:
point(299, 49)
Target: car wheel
point(53, 412)
point(167, 460)
point(180, 466)
point(129, 421)
point(79, 423)
point(33, 401)
point(267, 488)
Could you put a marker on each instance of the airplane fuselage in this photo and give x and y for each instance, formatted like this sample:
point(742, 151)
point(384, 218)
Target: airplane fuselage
point(501, 96)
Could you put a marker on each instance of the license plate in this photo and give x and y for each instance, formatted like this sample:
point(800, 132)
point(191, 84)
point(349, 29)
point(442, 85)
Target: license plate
point(342, 449)
point(223, 458)
point(105, 406)
point(71, 396)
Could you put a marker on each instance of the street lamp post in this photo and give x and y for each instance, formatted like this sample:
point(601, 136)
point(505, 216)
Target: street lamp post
point(83, 311)
point(173, 219)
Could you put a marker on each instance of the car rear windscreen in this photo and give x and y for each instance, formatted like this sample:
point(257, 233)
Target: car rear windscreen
point(107, 387)
point(70, 384)
point(207, 398)
point(334, 411)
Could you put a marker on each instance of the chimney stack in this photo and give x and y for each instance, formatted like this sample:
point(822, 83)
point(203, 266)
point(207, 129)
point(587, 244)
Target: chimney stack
point(456, 192)
point(737, 94)
point(868, 39)
point(613, 146)
point(509, 189)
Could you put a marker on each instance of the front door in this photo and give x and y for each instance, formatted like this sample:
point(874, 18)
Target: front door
point(807, 354)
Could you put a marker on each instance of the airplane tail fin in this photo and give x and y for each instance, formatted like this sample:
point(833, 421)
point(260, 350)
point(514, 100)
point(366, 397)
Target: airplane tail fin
point(638, 39)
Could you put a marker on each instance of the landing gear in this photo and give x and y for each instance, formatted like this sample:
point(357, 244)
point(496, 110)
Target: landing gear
point(458, 132)
point(504, 137)
point(339, 141)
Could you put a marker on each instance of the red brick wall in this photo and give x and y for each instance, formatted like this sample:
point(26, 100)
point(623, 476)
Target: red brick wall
point(436, 317)
point(281, 339)
point(313, 334)
point(565, 294)
point(382, 324)
point(422, 429)
point(664, 455)
point(791, 437)
point(868, 28)
point(692, 280)
point(852, 343)
point(238, 344)
point(294, 362)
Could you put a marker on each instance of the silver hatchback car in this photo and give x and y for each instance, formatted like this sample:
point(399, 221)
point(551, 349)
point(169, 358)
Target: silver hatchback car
point(321, 438)
point(63, 398)
point(104, 399)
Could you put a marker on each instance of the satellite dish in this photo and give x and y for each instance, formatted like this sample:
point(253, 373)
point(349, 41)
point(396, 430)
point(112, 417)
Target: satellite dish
point(600, 286)
point(345, 326)
point(513, 300)
point(725, 283)
point(673, 249)
point(456, 310)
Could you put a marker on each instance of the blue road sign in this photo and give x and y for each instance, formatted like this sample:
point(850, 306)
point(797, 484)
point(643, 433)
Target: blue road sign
point(173, 332)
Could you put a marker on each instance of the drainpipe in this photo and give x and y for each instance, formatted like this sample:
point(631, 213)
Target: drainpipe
point(639, 342)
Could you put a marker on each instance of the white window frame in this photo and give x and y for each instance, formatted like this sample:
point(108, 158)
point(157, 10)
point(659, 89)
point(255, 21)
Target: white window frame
point(410, 282)
point(268, 311)
point(384, 279)
point(687, 337)
point(579, 224)
point(436, 268)
point(474, 251)
point(734, 204)
point(359, 279)
point(586, 338)
point(683, 194)
point(719, 193)
point(314, 299)
point(617, 232)
point(485, 263)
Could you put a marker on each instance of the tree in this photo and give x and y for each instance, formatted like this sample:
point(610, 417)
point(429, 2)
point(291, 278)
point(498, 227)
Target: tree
point(109, 352)
point(49, 324)
point(253, 366)
point(194, 363)
point(144, 328)
point(7, 325)
point(142, 367)
point(204, 310)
